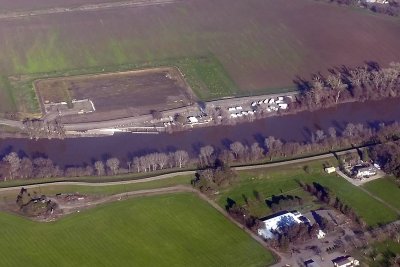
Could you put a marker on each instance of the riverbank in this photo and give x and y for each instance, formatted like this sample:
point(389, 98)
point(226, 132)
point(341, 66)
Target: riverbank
point(157, 176)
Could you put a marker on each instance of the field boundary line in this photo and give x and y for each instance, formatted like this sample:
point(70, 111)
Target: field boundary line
point(84, 8)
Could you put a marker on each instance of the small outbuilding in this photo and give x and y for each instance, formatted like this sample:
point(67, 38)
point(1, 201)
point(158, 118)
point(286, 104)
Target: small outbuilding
point(321, 234)
point(330, 169)
point(193, 119)
point(345, 261)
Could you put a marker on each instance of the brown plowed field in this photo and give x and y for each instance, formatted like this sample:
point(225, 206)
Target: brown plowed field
point(124, 94)
point(260, 43)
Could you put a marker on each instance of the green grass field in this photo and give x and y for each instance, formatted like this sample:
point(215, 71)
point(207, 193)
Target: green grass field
point(386, 189)
point(169, 230)
point(284, 181)
point(385, 250)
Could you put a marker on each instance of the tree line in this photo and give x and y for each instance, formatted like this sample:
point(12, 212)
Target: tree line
point(391, 8)
point(388, 156)
point(13, 166)
point(326, 196)
point(369, 82)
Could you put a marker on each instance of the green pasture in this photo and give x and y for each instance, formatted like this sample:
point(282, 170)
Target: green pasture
point(168, 230)
point(386, 189)
point(284, 180)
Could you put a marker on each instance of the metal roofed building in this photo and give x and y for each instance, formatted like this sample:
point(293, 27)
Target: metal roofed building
point(276, 222)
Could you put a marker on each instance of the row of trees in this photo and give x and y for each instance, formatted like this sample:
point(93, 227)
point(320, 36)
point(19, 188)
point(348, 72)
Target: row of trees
point(324, 195)
point(13, 166)
point(44, 129)
point(388, 156)
point(349, 84)
point(391, 8)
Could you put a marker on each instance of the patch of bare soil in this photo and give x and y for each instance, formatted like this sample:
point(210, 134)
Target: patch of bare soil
point(119, 95)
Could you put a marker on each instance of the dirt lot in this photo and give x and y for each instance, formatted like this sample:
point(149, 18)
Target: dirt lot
point(117, 95)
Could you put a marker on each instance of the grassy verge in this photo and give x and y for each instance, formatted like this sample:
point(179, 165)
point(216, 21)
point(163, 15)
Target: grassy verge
point(49, 189)
point(170, 230)
point(386, 189)
point(207, 77)
point(284, 180)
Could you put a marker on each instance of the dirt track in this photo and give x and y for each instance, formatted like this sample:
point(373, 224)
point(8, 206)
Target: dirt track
point(84, 8)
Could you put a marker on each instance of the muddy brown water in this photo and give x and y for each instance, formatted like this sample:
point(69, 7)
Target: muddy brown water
point(296, 127)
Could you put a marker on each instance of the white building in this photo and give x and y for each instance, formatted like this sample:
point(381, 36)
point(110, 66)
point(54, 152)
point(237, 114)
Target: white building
point(276, 222)
point(365, 172)
point(321, 234)
point(345, 261)
point(377, 1)
point(330, 169)
point(193, 119)
point(283, 106)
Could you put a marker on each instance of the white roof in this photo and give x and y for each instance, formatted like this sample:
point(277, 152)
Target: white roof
point(278, 222)
point(283, 105)
point(193, 119)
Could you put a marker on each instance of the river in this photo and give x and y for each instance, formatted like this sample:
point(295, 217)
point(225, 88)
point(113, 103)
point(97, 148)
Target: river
point(295, 127)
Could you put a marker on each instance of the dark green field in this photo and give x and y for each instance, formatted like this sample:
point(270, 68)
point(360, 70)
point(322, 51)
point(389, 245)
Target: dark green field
point(173, 230)
point(252, 46)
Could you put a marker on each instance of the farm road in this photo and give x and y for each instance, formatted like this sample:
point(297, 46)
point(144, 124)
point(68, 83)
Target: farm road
point(12, 123)
point(84, 8)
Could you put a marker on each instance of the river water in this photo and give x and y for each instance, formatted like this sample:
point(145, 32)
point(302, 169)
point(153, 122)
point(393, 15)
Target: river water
point(296, 127)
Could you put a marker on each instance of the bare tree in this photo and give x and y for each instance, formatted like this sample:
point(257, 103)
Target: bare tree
point(256, 151)
point(332, 132)
point(100, 169)
point(335, 82)
point(320, 135)
point(113, 165)
point(181, 158)
point(15, 163)
point(162, 160)
point(136, 164)
point(237, 148)
point(349, 130)
point(206, 153)
point(273, 145)
point(26, 169)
